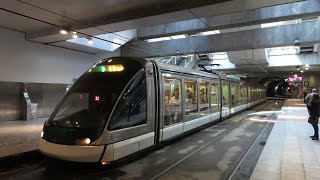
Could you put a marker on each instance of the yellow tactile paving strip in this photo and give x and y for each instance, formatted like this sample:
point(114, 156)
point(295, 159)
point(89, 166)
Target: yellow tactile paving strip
point(19, 136)
point(289, 152)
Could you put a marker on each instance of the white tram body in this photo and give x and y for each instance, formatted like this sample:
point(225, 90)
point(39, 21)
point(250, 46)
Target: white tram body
point(123, 105)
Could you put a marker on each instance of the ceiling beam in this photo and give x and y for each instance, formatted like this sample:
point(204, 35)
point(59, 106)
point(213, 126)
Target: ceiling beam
point(282, 12)
point(52, 35)
point(307, 32)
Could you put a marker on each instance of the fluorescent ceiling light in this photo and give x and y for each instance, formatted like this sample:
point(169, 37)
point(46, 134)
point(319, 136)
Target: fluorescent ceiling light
point(206, 33)
point(62, 31)
point(178, 36)
point(90, 41)
point(280, 23)
point(75, 35)
point(159, 39)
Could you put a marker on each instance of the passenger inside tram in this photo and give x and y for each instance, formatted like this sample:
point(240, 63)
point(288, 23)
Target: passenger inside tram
point(166, 100)
point(191, 103)
point(203, 96)
point(175, 106)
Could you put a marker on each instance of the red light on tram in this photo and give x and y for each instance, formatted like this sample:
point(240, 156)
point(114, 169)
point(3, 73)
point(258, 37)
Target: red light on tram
point(81, 96)
point(97, 98)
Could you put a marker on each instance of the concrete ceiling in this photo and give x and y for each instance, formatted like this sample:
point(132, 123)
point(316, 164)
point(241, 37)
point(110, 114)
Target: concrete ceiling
point(42, 20)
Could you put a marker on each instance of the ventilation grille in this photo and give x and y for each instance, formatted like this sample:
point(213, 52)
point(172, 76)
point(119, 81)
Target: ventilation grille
point(311, 48)
point(203, 56)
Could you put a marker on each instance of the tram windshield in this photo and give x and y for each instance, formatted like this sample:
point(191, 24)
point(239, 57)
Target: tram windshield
point(89, 102)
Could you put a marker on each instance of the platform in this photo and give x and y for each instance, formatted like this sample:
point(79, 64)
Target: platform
point(18, 137)
point(289, 152)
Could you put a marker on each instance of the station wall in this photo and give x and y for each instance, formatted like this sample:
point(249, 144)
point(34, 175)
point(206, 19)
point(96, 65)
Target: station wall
point(46, 70)
point(46, 95)
point(24, 61)
point(311, 81)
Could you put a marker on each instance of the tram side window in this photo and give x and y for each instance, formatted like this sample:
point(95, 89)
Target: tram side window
point(260, 93)
point(214, 95)
point(204, 97)
point(191, 101)
point(172, 107)
point(233, 94)
point(243, 94)
point(249, 94)
point(263, 93)
point(237, 93)
point(225, 96)
point(254, 93)
point(131, 109)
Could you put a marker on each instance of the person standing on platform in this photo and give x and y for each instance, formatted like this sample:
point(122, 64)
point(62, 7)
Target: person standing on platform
point(313, 106)
point(304, 96)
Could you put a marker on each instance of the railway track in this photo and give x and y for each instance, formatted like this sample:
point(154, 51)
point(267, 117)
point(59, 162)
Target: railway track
point(217, 152)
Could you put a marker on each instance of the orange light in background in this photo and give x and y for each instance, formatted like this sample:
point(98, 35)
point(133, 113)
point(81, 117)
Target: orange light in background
point(114, 68)
point(83, 141)
point(105, 163)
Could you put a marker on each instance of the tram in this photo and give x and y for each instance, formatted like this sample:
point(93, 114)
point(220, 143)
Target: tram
point(123, 105)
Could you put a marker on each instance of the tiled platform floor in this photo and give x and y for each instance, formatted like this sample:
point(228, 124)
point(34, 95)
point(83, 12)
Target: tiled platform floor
point(289, 153)
point(19, 136)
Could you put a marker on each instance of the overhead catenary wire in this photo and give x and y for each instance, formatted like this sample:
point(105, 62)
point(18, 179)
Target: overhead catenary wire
point(193, 14)
point(88, 24)
point(52, 24)
point(71, 18)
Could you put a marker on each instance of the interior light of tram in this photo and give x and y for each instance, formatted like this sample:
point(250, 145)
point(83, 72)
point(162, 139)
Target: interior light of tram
point(97, 98)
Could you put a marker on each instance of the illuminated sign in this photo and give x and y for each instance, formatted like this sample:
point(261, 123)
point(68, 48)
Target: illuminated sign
point(295, 79)
point(108, 68)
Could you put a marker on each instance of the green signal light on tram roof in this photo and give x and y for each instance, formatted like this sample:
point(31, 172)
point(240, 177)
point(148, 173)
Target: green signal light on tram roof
point(103, 69)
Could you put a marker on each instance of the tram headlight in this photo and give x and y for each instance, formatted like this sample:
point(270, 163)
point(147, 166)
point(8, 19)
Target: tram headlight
point(83, 141)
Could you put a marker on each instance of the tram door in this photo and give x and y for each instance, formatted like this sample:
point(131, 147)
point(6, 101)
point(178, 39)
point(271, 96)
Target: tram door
point(171, 118)
point(225, 99)
point(214, 101)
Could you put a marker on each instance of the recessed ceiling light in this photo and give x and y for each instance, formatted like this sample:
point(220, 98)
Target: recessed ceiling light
point(75, 35)
point(90, 41)
point(62, 31)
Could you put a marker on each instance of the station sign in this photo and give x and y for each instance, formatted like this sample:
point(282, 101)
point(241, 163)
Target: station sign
point(295, 79)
